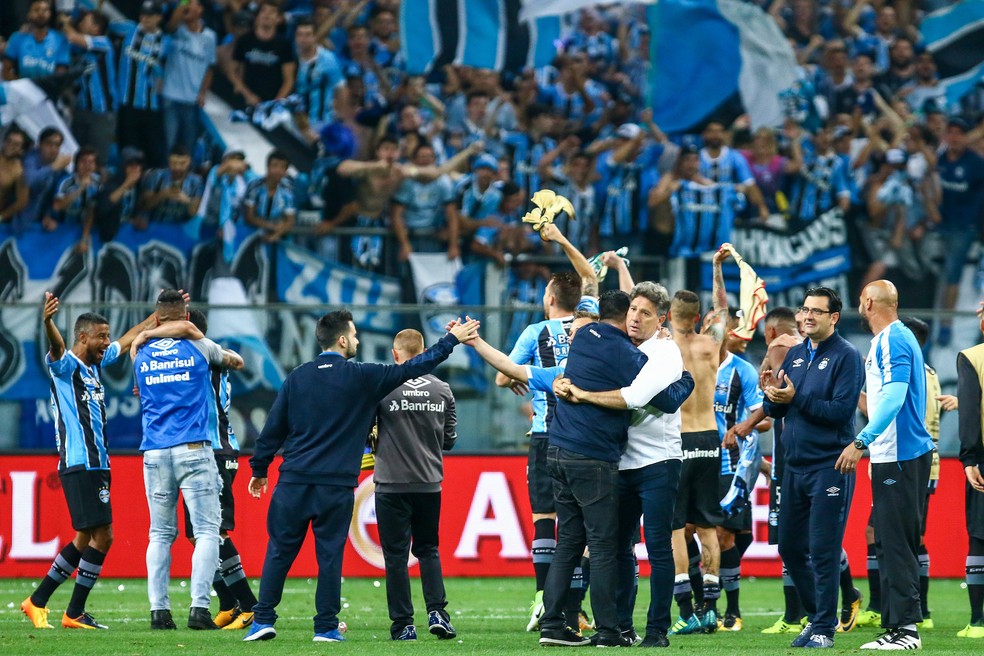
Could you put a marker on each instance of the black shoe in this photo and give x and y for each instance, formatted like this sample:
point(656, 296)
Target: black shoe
point(632, 635)
point(611, 640)
point(161, 619)
point(564, 637)
point(657, 639)
point(201, 620)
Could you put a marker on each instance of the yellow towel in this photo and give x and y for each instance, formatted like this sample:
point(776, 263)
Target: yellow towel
point(751, 299)
point(548, 206)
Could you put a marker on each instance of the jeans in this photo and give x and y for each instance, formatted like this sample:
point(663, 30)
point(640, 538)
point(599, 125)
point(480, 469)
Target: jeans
point(400, 517)
point(190, 469)
point(586, 497)
point(649, 491)
point(181, 124)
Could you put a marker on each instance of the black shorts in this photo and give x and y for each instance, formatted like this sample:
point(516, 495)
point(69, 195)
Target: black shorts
point(87, 494)
point(697, 500)
point(538, 480)
point(775, 495)
point(228, 467)
point(742, 522)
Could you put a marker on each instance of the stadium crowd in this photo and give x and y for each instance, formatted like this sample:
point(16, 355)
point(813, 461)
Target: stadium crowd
point(868, 130)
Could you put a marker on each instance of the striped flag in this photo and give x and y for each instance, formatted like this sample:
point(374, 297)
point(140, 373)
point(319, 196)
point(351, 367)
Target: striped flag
point(955, 36)
point(479, 33)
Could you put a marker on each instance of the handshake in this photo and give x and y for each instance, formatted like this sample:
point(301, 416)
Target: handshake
point(464, 332)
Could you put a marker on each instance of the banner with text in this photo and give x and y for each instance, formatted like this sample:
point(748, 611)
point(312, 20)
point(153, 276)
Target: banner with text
point(485, 522)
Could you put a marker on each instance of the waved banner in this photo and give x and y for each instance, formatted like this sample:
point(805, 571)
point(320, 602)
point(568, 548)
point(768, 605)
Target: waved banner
point(790, 263)
point(134, 267)
point(485, 522)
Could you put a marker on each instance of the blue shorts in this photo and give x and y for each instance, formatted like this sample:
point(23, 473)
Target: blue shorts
point(956, 247)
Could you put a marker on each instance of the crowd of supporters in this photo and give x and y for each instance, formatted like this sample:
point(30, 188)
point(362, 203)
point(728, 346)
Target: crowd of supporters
point(447, 162)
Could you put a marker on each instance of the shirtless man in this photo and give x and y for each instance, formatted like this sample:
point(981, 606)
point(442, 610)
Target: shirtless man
point(13, 184)
point(698, 502)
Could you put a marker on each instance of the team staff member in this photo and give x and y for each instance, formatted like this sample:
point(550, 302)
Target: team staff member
point(586, 442)
point(77, 401)
point(178, 419)
point(970, 393)
point(417, 421)
point(322, 454)
point(901, 452)
point(815, 394)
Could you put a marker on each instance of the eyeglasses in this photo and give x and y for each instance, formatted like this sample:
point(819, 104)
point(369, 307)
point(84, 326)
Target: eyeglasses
point(817, 312)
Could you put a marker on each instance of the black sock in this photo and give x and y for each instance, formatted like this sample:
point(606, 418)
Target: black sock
point(874, 581)
point(731, 579)
point(712, 592)
point(61, 568)
point(794, 609)
point(227, 600)
point(696, 577)
point(89, 568)
point(743, 541)
point(684, 595)
point(543, 548)
point(232, 573)
point(924, 580)
point(975, 580)
point(846, 581)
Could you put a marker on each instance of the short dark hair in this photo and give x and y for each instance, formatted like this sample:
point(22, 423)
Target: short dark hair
point(566, 287)
point(197, 317)
point(332, 326)
point(49, 132)
point(421, 146)
point(304, 21)
point(278, 154)
point(780, 314)
point(86, 321)
point(387, 139)
point(833, 300)
point(685, 305)
point(101, 20)
point(475, 94)
point(918, 327)
point(613, 305)
point(180, 150)
point(510, 188)
point(85, 151)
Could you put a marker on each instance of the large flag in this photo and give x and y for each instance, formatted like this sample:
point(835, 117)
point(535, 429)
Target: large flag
point(705, 52)
point(479, 33)
point(955, 36)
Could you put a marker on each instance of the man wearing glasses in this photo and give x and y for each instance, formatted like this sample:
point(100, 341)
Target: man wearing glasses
point(815, 393)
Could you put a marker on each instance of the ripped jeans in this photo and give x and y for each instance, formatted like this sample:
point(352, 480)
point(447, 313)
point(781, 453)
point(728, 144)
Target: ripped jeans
point(190, 469)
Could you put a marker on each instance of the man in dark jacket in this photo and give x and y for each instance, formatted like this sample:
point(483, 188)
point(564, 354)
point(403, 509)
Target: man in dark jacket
point(417, 421)
point(816, 393)
point(321, 418)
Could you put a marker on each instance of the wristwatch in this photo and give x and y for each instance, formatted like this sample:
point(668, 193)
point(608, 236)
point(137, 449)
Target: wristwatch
point(860, 445)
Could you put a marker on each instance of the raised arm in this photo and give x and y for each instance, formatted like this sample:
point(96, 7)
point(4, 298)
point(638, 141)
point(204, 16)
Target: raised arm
point(589, 281)
point(56, 344)
point(613, 261)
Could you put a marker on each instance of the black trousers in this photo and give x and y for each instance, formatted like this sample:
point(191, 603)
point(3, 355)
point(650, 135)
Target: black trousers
point(401, 517)
point(648, 492)
point(586, 497)
point(898, 491)
point(812, 518)
point(327, 509)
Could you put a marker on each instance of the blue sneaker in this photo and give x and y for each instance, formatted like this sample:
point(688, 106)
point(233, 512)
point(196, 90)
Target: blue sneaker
point(439, 626)
point(259, 631)
point(804, 637)
point(409, 633)
point(329, 636)
point(819, 641)
point(685, 626)
point(709, 623)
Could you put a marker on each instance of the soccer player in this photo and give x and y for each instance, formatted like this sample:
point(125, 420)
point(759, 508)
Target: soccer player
point(901, 452)
point(178, 417)
point(970, 392)
point(77, 400)
point(545, 344)
point(821, 380)
point(413, 432)
point(323, 445)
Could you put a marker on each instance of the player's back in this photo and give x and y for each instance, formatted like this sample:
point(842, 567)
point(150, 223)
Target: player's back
point(701, 357)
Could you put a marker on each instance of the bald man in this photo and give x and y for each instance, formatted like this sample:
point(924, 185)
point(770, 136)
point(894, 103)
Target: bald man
point(901, 452)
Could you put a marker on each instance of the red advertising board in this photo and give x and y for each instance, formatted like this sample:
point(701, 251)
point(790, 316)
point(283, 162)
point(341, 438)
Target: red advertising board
point(485, 527)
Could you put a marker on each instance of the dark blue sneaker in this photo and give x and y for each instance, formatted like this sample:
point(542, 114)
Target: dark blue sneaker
point(329, 636)
point(819, 641)
point(804, 637)
point(439, 626)
point(409, 633)
point(259, 631)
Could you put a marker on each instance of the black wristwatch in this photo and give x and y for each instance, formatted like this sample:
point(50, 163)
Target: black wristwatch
point(860, 445)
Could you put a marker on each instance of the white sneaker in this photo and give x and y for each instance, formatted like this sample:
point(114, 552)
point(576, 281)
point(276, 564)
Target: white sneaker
point(896, 639)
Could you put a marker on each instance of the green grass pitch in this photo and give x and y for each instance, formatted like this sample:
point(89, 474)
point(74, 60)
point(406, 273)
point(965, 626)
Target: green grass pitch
point(489, 614)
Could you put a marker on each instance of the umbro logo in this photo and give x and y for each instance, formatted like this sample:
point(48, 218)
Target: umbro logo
point(833, 491)
point(889, 481)
point(394, 406)
point(417, 383)
point(163, 344)
point(797, 362)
